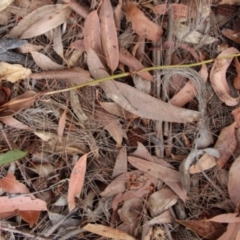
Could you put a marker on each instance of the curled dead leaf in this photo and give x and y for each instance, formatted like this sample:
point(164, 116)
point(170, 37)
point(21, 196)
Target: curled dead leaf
point(218, 77)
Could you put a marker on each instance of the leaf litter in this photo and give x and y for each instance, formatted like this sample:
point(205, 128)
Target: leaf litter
point(148, 152)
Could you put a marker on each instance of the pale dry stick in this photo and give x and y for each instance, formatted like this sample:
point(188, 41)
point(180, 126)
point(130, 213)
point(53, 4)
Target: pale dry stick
point(167, 127)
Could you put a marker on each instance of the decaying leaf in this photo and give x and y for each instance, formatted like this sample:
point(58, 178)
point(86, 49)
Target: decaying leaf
point(218, 77)
point(232, 232)
point(225, 218)
point(45, 62)
point(10, 185)
point(10, 121)
point(13, 72)
point(109, 35)
point(120, 166)
point(62, 123)
point(76, 181)
point(203, 228)
point(107, 232)
point(141, 24)
point(234, 182)
point(30, 216)
point(163, 218)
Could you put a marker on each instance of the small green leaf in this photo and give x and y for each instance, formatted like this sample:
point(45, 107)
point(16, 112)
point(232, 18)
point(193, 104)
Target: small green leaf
point(12, 156)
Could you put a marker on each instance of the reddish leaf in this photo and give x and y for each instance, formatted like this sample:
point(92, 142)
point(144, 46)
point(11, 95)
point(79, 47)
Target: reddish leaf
point(231, 35)
point(129, 60)
point(10, 185)
point(141, 24)
point(234, 182)
point(91, 32)
point(218, 77)
point(22, 203)
point(30, 216)
point(76, 181)
point(109, 35)
point(226, 144)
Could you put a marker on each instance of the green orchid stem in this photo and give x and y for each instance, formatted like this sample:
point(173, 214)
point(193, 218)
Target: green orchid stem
point(121, 75)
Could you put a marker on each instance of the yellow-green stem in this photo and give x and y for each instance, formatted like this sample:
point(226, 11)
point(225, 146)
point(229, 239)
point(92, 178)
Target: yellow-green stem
point(121, 75)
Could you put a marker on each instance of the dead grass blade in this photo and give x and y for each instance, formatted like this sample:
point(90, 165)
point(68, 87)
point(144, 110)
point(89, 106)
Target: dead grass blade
point(76, 181)
point(109, 35)
point(141, 24)
point(61, 124)
point(218, 77)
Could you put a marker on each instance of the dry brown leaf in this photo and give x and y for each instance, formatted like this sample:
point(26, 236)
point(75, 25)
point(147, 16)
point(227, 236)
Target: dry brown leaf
point(129, 60)
point(130, 211)
point(226, 218)
point(136, 101)
point(161, 200)
point(92, 32)
point(236, 115)
point(43, 169)
point(231, 233)
point(218, 77)
point(114, 128)
point(109, 35)
point(10, 185)
point(120, 165)
point(141, 24)
point(179, 10)
point(229, 33)
point(10, 121)
point(163, 218)
point(62, 123)
point(226, 144)
point(83, 12)
point(119, 184)
point(31, 217)
point(13, 72)
point(204, 163)
point(204, 228)
point(156, 170)
point(47, 22)
point(76, 181)
point(234, 182)
point(115, 109)
point(57, 41)
point(189, 91)
point(22, 203)
point(229, 1)
point(236, 81)
point(142, 152)
point(107, 232)
point(73, 75)
point(178, 189)
point(4, 4)
point(32, 18)
point(29, 47)
point(118, 15)
point(45, 62)
point(18, 103)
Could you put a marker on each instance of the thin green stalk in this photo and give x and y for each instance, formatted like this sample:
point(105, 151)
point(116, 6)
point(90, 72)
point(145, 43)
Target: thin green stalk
point(121, 75)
